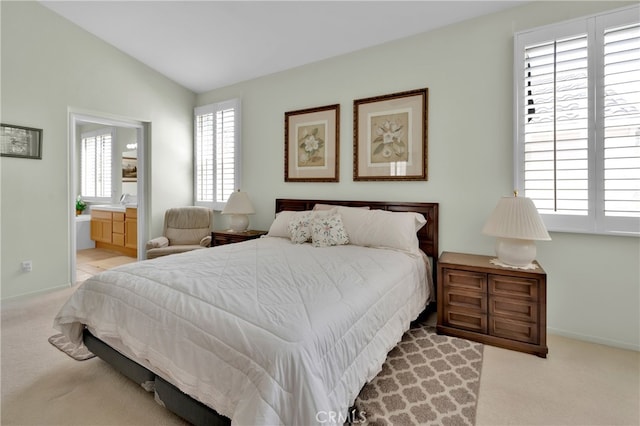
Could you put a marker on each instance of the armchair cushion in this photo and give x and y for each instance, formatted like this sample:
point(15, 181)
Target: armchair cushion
point(163, 251)
point(157, 243)
point(187, 225)
point(206, 241)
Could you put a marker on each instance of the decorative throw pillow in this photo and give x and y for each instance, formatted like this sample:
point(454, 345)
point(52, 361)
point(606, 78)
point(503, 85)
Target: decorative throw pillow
point(328, 230)
point(300, 227)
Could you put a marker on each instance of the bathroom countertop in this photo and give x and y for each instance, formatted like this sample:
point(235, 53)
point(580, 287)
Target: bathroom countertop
point(114, 207)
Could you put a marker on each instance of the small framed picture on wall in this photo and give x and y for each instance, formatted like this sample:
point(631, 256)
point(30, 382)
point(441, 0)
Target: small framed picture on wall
point(20, 142)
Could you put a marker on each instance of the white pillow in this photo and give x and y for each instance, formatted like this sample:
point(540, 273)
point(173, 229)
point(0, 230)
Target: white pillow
point(280, 225)
point(300, 227)
point(328, 230)
point(381, 228)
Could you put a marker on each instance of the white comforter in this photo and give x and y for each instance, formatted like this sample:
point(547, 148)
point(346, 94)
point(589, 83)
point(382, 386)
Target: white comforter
point(264, 331)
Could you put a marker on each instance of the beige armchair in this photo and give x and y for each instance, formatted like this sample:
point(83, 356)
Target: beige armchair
point(185, 229)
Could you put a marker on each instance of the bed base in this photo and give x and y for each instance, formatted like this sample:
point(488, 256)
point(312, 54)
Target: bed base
point(198, 413)
point(166, 394)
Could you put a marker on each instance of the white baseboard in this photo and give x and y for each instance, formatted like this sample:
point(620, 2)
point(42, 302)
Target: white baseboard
point(21, 296)
point(593, 339)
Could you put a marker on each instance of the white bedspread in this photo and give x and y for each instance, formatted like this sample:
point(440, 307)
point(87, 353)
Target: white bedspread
point(264, 331)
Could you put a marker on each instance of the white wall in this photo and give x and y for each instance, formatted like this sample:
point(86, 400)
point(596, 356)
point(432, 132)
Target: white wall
point(49, 66)
point(593, 281)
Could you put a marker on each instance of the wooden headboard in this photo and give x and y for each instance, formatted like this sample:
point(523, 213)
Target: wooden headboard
point(427, 235)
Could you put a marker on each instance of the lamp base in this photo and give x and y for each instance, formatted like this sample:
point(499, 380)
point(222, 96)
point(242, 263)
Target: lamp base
point(238, 222)
point(515, 252)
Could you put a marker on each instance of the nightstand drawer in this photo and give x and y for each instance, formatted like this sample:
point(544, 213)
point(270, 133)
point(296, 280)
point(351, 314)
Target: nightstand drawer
point(512, 308)
point(466, 320)
point(465, 280)
point(513, 329)
point(465, 299)
point(508, 286)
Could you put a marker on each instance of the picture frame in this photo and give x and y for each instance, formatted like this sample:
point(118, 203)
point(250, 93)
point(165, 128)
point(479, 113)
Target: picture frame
point(312, 144)
point(390, 137)
point(20, 142)
point(129, 169)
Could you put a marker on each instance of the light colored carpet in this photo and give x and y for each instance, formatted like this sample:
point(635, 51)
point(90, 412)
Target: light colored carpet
point(43, 386)
point(578, 384)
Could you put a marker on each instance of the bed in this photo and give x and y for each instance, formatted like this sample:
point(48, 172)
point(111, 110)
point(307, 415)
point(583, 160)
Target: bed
point(266, 331)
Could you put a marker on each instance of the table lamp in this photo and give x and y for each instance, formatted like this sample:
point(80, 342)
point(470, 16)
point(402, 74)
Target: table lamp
point(238, 206)
point(517, 224)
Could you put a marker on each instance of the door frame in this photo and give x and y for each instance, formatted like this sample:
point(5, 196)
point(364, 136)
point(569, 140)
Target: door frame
point(76, 117)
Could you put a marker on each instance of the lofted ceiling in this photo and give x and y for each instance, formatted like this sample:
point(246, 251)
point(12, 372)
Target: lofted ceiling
point(204, 45)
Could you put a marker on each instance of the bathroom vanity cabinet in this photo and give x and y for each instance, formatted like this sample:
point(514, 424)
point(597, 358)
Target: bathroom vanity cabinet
point(115, 229)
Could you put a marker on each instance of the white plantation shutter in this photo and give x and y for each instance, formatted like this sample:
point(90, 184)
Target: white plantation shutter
point(225, 153)
point(204, 157)
point(578, 122)
point(556, 126)
point(622, 121)
point(95, 165)
point(217, 153)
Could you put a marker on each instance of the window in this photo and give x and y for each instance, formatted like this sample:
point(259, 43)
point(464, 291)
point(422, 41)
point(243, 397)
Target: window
point(578, 122)
point(95, 165)
point(217, 153)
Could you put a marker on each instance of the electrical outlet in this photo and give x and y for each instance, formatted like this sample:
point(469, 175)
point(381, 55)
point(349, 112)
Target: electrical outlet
point(27, 266)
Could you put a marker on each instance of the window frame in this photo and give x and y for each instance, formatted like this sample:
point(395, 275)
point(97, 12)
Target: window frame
point(595, 222)
point(214, 108)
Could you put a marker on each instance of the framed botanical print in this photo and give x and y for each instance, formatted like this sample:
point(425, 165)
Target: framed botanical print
point(312, 144)
point(390, 137)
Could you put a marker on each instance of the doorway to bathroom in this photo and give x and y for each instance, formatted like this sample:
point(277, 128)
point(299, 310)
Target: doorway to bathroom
point(107, 174)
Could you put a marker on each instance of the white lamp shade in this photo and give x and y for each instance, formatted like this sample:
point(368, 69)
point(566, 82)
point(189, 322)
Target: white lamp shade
point(238, 203)
point(516, 223)
point(517, 218)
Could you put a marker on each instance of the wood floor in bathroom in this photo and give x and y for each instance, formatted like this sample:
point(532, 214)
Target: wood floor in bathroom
point(92, 261)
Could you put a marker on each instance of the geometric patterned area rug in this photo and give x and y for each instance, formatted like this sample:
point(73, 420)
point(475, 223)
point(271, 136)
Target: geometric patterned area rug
point(427, 379)
point(79, 353)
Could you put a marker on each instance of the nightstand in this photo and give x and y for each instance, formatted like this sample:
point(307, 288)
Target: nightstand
point(219, 238)
point(499, 306)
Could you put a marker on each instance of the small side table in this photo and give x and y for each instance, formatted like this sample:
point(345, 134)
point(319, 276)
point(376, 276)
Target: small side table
point(492, 304)
point(219, 238)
